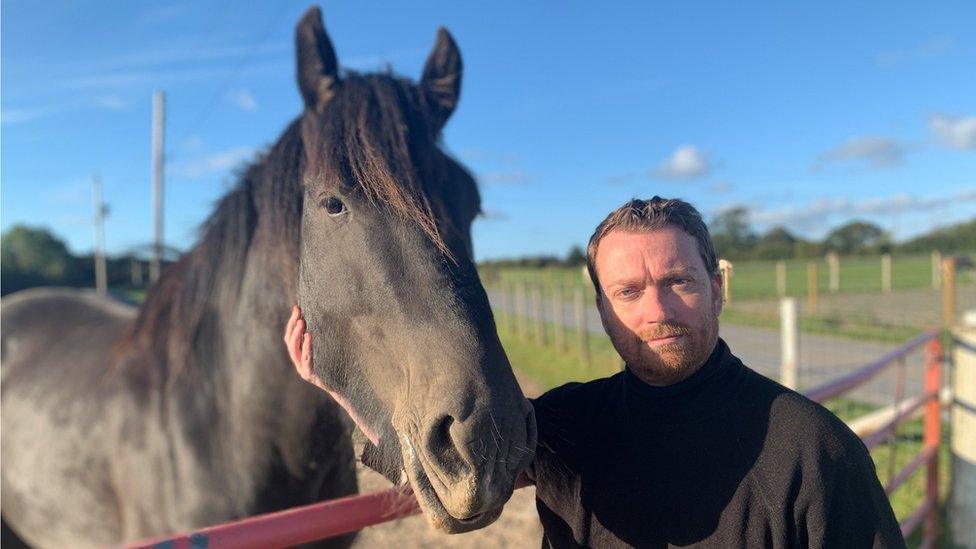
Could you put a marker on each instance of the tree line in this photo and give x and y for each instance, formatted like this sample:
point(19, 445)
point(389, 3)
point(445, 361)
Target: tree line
point(32, 256)
point(735, 239)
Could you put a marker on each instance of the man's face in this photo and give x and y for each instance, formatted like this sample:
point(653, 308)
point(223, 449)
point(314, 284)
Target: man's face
point(658, 305)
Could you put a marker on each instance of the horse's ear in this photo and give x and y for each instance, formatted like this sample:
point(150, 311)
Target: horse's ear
point(318, 70)
point(441, 82)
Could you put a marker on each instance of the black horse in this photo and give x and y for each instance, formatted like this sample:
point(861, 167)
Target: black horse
point(121, 424)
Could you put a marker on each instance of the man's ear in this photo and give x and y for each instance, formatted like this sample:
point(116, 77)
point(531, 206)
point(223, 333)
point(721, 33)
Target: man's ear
point(718, 296)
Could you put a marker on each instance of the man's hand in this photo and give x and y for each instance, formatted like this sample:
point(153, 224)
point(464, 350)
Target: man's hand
point(299, 344)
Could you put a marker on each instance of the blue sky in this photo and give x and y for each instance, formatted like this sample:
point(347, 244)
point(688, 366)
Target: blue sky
point(809, 114)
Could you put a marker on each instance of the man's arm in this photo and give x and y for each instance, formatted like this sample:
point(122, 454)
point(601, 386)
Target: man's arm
point(847, 506)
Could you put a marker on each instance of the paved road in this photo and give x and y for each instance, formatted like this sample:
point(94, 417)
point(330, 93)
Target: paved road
point(822, 357)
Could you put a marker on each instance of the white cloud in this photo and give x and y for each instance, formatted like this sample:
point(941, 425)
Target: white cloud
point(493, 215)
point(686, 162)
point(958, 132)
point(721, 187)
point(213, 163)
point(878, 152)
point(620, 179)
point(20, 115)
point(815, 214)
point(244, 99)
point(932, 48)
point(510, 177)
point(112, 103)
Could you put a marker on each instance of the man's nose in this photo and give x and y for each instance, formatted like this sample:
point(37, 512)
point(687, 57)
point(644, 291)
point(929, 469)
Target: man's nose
point(654, 306)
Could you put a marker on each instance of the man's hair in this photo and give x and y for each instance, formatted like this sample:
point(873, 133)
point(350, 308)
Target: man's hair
point(642, 216)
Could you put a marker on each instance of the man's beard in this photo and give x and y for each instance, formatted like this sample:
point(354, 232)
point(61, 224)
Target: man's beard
point(672, 362)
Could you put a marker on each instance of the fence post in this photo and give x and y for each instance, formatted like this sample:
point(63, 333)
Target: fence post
point(781, 278)
point(789, 343)
point(949, 292)
point(135, 266)
point(520, 311)
point(932, 434)
point(936, 270)
point(813, 286)
point(582, 331)
point(962, 505)
point(537, 315)
point(501, 312)
point(559, 322)
point(833, 262)
point(886, 273)
point(725, 267)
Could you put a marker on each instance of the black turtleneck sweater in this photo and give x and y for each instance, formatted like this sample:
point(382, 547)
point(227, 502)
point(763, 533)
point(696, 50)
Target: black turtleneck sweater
point(725, 458)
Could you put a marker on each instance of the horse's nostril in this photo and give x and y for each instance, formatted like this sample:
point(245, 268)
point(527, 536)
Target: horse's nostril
point(442, 445)
point(442, 432)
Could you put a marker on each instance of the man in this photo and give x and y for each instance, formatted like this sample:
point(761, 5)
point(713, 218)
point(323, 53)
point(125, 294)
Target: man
point(687, 446)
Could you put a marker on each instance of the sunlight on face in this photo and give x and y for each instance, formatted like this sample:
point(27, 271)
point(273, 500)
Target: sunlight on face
point(658, 304)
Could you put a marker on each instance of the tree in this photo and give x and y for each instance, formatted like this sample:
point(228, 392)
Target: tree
point(856, 237)
point(32, 257)
point(731, 234)
point(954, 238)
point(576, 256)
point(778, 243)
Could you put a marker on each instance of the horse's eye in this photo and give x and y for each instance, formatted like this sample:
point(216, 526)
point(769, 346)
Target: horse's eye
point(334, 207)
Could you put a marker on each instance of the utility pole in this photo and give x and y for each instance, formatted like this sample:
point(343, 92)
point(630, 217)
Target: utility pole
point(158, 121)
point(101, 280)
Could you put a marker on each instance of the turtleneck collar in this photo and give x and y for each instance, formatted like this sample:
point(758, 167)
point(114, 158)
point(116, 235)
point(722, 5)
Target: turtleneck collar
point(693, 397)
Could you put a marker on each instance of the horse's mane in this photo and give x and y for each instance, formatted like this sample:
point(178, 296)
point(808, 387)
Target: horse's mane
point(375, 138)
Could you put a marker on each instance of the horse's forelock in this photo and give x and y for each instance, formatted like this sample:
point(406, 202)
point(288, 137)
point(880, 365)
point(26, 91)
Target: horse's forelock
point(376, 134)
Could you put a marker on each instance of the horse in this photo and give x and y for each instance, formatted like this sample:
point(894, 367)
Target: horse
point(122, 424)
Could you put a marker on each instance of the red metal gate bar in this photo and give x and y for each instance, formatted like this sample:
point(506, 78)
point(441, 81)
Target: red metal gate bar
point(860, 376)
point(920, 460)
point(298, 525)
point(888, 428)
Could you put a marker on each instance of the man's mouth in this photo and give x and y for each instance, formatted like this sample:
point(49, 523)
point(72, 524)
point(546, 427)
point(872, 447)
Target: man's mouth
point(663, 340)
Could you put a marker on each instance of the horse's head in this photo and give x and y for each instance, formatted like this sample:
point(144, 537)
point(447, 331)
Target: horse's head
point(403, 333)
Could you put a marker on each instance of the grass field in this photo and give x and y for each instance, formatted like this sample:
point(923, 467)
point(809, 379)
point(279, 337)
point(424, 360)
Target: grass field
point(548, 367)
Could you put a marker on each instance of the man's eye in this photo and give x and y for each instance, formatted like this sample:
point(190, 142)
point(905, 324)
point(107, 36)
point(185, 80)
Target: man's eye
point(627, 292)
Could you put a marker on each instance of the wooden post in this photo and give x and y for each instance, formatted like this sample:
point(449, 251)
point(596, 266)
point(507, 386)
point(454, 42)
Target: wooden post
point(789, 343)
point(501, 316)
point(513, 310)
point(886, 273)
point(949, 292)
point(520, 311)
point(158, 146)
point(936, 270)
point(101, 279)
point(538, 316)
point(931, 437)
point(781, 278)
point(725, 267)
point(135, 267)
point(582, 331)
point(962, 436)
point(559, 322)
point(813, 286)
point(833, 262)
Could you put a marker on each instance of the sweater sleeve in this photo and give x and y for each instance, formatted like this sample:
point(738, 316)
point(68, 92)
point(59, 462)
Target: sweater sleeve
point(845, 505)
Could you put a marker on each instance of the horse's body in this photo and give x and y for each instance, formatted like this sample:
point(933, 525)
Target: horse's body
point(121, 424)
